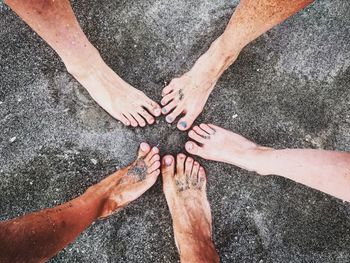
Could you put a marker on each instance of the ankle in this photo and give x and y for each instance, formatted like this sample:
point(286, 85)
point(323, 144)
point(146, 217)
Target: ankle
point(198, 250)
point(212, 64)
point(84, 63)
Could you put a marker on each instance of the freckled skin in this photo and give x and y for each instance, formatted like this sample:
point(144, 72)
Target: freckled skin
point(38, 236)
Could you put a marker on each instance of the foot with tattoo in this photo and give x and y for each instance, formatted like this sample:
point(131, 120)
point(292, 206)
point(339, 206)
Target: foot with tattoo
point(217, 144)
point(188, 94)
point(185, 192)
point(127, 184)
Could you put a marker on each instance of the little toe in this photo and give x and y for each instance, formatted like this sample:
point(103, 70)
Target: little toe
point(143, 150)
point(193, 148)
point(207, 128)
point(154, 174)
point(214, 127)
point(200, 131)
point(193, 135)
point(180, 164)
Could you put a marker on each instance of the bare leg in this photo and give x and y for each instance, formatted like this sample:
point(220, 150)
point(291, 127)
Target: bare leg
point(185, 192)
point(189, 93)
point(55, 22)
point(327, 171)
point(38, 236)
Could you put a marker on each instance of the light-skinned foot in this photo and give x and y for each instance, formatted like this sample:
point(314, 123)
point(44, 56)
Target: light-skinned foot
point(185, 192)
point(122, 101)
point(188, 94)
point(214, 143)
point(127, 184)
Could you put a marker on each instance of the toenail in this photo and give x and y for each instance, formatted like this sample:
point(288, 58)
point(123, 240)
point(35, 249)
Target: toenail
point(169, 119)
point(144, 146)
point(183, 124)
point(190, 146)
point(164, 110)
point(168, 161)
point(155, 149)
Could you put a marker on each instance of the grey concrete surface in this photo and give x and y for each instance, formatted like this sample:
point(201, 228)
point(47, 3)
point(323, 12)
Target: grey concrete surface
point(289, 88)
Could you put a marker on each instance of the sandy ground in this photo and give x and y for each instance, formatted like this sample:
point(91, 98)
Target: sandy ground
point(289, 88)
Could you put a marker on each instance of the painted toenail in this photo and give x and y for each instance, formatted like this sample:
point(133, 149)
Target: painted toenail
point(183, 124)
point(164, 110)
point(144, 146)
point(168, 161)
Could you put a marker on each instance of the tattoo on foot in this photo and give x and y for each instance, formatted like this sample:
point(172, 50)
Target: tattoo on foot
point(181, 95)
point(138, 170)
point(181, 186)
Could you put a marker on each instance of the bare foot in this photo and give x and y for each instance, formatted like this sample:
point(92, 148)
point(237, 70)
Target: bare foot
point(185, 192)
point(217, 144)
point(188, 94)
point(127, 184)
point(118, 98)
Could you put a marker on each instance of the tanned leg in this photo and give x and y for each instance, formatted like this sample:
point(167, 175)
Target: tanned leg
point(185, 192)
point(55, 22)
point(38, 236)
point(327, 171)
point(188, 94)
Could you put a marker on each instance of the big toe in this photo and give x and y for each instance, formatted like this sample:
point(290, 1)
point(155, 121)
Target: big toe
point(143, 150)
point(193, 148)
point(186, 122)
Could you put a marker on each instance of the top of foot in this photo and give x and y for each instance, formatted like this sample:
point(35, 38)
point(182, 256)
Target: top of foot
point(122, 101)
point(185, 192)
point(214, 143)
point(129, 183)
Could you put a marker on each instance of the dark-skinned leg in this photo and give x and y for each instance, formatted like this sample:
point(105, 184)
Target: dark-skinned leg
point(38, 236)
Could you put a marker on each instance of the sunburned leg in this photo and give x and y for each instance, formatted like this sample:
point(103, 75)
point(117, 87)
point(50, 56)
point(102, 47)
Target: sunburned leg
point(38, 236)
point(188, 94)
point(55, 22)
point(327, 171)
point(185, 192)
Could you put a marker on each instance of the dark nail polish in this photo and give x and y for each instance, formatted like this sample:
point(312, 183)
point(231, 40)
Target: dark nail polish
point(183, 124)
